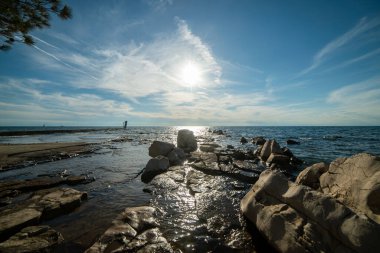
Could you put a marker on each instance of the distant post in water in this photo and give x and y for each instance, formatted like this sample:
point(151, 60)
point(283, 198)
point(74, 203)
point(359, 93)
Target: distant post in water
point(125, 124)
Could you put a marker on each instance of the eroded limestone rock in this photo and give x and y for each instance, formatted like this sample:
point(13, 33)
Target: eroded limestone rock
point(295, 218)
point(269, 147)
point(310, 176)
point(355, 181)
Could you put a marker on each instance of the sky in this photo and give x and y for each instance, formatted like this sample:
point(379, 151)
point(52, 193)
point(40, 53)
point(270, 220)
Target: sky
point(177, 62)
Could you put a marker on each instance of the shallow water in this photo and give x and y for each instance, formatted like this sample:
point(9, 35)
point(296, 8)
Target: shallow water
point(116, 164)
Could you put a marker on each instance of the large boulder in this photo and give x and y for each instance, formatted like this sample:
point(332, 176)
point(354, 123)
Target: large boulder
point(186, 140)
point(295, 218)
point(258, 140)
point(33, 239)
point(176, 157)
point(160, 148)
point(355, 181)
point(154, 167)
point(281, 160)
point(310, 176)
point(269, 147)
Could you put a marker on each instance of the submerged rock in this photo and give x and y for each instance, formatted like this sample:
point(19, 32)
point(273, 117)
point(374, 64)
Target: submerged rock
point(243, 140)
point(208, 147)
point(295, 218)
point(186, 140)
point(292, 142)
point(160, 148)
point(33, 239)
point(154, 167)
point(258, 140)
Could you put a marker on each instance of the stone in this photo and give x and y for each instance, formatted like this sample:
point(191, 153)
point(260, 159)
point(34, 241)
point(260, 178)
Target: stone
point(230, 147)
point(295, 218)
point(34, 239)
point(310, 176)
point(243, 140)
point(278, 159)
point(41, 205)
point(208, 147)
point(186, 140)
point(218, 132)
point(14, 220)
point(160, 148)
point(269, 147)
point(56, 202)
point(287, 152)
point(258, 140)
point(292, 142)
point(134, 230)
point(355, 181)
point(154, 167)
point(176, 157)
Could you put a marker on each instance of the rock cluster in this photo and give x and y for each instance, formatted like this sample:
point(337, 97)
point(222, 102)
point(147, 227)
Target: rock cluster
point(134, 230)
point(41, 205)
point(165, 154)
point(331, 208)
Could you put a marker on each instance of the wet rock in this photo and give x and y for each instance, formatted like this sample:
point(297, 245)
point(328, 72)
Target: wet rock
point(243, 140)
point(292, 142)
point(310, 176)
point(176, 157)
point(295, 218)
point(208, 147)
point(14, 220)
point(269, 147)
point(287, 152)
point(9, 188)
point(230, 147)
point(55, 202)
point(355, 181)
point(42, 205)
point(154, 167)
point(218, 132)
point(33, 239)
point(160, 148)
point(134, 230)
point(258, 140)
point(281, 160)
point(186, 140)
point(239, 155)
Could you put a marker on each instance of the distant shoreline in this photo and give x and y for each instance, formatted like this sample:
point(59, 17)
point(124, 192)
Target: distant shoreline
point(51, 131)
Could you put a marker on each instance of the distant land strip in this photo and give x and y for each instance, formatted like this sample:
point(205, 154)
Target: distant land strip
point(52, 131)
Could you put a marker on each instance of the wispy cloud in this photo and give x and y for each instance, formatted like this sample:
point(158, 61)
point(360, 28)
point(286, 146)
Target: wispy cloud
point(363, 26)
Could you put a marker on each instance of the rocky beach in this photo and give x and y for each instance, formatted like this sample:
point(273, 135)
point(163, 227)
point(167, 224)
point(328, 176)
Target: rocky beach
point(200, 195)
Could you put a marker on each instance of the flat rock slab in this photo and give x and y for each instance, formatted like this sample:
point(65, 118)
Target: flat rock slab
point(34, 239)
point(8, 188)
point(41, 205)
point(12, 155)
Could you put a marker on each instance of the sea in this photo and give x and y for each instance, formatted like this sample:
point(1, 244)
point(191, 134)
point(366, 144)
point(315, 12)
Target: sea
point(116, 165)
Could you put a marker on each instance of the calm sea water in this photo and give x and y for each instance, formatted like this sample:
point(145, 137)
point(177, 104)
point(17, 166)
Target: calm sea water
point(115, 165)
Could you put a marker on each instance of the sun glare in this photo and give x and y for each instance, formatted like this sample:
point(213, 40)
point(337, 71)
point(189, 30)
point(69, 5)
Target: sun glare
point(190, 74)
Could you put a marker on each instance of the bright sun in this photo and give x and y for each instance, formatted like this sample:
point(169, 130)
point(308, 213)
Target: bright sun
point(190, 74)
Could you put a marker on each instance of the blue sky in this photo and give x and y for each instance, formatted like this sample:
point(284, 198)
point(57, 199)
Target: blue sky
point(177, 62)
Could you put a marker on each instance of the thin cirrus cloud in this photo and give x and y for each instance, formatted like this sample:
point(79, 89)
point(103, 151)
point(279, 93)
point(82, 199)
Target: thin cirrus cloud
point(362, 27)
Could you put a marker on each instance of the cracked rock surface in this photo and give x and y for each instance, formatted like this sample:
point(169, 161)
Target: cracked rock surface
point(296, 218)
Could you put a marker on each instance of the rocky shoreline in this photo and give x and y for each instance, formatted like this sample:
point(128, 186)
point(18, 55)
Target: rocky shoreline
point(207, 198)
